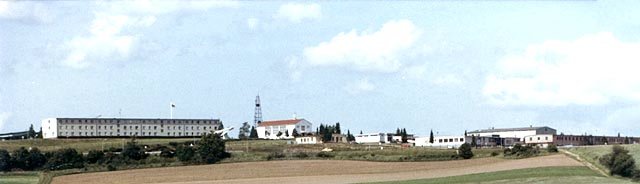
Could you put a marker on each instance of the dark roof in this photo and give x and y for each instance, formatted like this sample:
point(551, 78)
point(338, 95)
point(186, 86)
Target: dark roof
point(137, 119)
point(14, 134)
point(509, 129)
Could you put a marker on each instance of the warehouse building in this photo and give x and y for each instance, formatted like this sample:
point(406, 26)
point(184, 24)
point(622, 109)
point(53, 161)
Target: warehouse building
point(126, 127)
point(519, 133)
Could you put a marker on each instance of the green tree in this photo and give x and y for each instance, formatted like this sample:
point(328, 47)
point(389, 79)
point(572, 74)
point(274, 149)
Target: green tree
point(35, 160)
point(473, 141)
point(619, 162)
point(337, 129)
point(431, 137)
point(244, 131)
point(39, 134)
point(95, 156)
point(404, 135)
point(254, 133)
point(185, 153)
point(552, 148)
point(279, 134)
point(350, 136)
point(211, 149)
point(67, 158)
point(19, 158)
point(133, 151)
point(31, 133)
point(464, 151)
point(286, 133)
point(295, 133)
point(360, 132)
point(5, 160)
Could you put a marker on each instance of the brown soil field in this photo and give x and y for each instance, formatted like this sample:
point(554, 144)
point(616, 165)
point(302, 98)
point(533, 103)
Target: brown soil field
point(313, 171)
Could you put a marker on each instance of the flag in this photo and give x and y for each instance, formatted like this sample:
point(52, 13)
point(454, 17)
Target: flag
point(173, 105)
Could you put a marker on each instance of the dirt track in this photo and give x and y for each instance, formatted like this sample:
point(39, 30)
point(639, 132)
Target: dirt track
point(314, 171)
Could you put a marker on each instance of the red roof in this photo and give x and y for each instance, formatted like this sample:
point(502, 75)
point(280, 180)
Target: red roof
point(280, 122)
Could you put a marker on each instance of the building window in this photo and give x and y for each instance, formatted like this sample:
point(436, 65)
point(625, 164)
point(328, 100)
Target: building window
point(461, 139)
point(538, 138)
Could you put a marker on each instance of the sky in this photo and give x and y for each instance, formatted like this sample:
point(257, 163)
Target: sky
point(372, 66)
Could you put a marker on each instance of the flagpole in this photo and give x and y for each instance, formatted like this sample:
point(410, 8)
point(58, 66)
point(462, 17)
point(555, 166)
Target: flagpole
point(171, 110)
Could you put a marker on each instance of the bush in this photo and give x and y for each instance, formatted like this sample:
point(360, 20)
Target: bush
point(552, 148)
point(464, 151)
point(185, 153)
point(521, 152)
point(167, 153)
point(5, 160)
point(324, 154)
point(619, 162)
point(301, 154)
point(19, 158)
point(494, 153)
point(211, 149)
point(35, 160)
point(65, 159)
point(275, 155)
point(111, 167)
point(95, 156)
point(133, 151)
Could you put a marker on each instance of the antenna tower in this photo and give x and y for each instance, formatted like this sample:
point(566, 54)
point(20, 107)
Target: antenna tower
point(257, 118)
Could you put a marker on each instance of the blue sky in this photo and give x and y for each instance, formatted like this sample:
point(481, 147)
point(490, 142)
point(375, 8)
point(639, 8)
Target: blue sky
point(446, 66)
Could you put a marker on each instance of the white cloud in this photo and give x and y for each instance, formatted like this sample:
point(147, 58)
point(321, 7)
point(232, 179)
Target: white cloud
point(4, 116)
point(252, 23)
point(360, 86)
point(448, 79)
point(24, 10)
point(161, 7)
point(377, 51)
point(113, 31)
point(296, 12)
point(594, 69)
point(106, 39)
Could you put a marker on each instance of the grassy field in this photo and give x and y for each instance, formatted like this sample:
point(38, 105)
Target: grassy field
point(82, 145)
point(593, 153)
point(574, 174)
point(260, 150)
point(19, 178)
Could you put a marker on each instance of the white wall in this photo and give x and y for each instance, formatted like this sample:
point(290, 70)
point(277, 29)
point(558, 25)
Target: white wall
point(370, 138)
point(443, 141)
point(49, 128)
point(308, 140)
point(538, 139)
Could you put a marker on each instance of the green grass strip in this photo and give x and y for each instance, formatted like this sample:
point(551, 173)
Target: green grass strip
point(504, 175)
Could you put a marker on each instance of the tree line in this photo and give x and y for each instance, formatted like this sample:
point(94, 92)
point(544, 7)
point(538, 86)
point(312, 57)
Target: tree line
point(209, 149)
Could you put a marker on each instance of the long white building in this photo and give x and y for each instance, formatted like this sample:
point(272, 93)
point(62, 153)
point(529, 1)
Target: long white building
point(271, 129)
point(519, 133)
point(126, 127)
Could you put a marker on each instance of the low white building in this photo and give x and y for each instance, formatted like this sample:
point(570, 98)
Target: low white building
point(442, 141)
point(371, 138)
point(313, 139)
point(126, 127)
point(271, 129)
point(539, 140)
